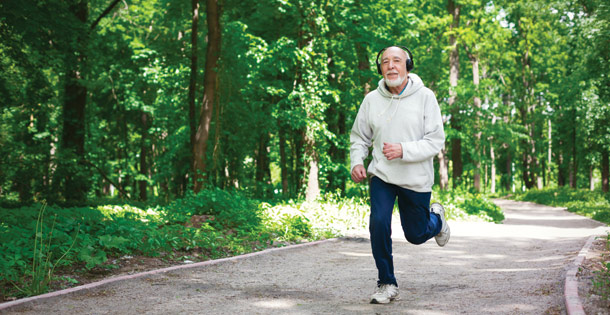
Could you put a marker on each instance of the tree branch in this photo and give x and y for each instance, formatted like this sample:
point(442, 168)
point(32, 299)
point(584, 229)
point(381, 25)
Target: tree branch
point(123, 192)
point(108, 9)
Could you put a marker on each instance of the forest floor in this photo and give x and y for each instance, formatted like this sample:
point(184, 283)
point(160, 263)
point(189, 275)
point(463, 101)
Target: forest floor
point(517, 267)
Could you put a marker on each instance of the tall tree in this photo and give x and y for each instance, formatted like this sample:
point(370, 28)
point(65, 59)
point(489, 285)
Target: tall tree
point(75, 181)
point(193, 80)
point(454, 73)
point(213, 11)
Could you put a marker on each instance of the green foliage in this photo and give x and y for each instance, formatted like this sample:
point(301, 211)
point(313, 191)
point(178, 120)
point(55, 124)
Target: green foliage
point(233, 226)
point(464, 205)
point(294, 228)
point(109, 231)
point(327, 217)
point(592, 204)
point(230, 209)
point(43, 263)
point(289, 95)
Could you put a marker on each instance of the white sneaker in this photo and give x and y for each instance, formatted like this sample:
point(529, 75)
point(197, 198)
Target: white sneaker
point(442, 237)
point(384, 294)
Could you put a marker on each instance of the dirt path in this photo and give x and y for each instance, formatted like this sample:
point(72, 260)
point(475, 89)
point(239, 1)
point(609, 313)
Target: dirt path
point(513, 268)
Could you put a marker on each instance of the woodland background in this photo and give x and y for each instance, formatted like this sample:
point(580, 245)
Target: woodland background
point(149, 99)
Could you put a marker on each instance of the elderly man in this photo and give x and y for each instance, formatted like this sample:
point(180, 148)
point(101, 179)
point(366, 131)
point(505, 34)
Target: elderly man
point(402, 121)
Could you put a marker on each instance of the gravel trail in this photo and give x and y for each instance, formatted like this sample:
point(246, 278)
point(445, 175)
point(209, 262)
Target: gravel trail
point(517, 267)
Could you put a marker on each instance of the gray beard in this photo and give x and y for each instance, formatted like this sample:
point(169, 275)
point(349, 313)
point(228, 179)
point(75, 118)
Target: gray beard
point(395, 83)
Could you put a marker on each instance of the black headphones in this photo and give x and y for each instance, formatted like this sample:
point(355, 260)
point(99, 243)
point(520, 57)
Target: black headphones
point(409, 60)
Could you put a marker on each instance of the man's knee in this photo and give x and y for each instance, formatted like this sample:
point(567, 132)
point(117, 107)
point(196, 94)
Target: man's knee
point(416, 239)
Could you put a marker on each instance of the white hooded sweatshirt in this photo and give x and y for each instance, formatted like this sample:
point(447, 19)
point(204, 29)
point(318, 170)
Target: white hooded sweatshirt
point(412, 119)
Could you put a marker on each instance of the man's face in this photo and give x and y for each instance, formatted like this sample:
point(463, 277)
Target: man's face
point(393, 66)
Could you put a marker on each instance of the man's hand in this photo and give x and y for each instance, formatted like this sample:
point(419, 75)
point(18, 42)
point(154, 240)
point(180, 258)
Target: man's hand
point(358, 173)
point(392, 150)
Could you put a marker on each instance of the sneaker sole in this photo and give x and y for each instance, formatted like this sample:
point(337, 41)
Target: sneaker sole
point(441, 241)
point(375, 301)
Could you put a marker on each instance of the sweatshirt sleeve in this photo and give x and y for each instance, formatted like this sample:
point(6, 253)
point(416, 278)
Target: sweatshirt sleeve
point(434, 135)
point(360, 137)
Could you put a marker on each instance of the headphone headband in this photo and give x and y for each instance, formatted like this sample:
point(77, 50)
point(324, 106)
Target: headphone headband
point(409, 61)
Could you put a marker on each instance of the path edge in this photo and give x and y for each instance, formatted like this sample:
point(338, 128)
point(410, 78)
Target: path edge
point(570, 292)
point(6, 305)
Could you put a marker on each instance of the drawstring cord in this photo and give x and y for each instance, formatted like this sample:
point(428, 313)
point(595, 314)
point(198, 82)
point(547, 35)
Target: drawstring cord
point(386, 109)
point(389, 106)
point(391, 101)
point(395, 110)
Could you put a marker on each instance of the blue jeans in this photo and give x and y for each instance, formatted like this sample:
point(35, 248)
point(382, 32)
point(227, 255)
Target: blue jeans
point(418, 224)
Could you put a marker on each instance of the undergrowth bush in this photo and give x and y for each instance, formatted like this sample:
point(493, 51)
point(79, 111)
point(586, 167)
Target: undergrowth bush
point(234, 226)
point(230, 209)
point(463, 205)
point(329, 216)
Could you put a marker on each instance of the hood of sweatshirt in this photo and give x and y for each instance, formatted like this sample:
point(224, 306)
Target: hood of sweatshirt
point(415, 83)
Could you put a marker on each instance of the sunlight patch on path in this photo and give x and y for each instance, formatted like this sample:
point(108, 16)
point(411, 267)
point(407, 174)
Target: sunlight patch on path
point(275, 304)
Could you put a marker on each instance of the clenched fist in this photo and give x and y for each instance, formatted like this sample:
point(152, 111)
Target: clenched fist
point(392, 150)
point(358, 173)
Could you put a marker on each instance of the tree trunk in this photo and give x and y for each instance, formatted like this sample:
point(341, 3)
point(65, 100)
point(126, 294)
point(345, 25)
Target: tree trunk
point(443, 169)
point(574, 170)
point(22, 181)
point(539, 167)
point(143, 154)
point(524, 110)
point(193, 80)
point(477, 105)
point(263, 171)
point(605, 170)
point(509, 171)
point(333, 122)
point(454, 70)
point(530, 151)
point(218, 122)
point(591, 179)
point(313, 186)
point(492, 157)
point(299, 174)
point(364, 67)
point(443, 166)
point(342, 153)
point(283, 162)
point(549, 153)
point(209, 94)
point(492, 180)
point(561, 169)
point(73, 133)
